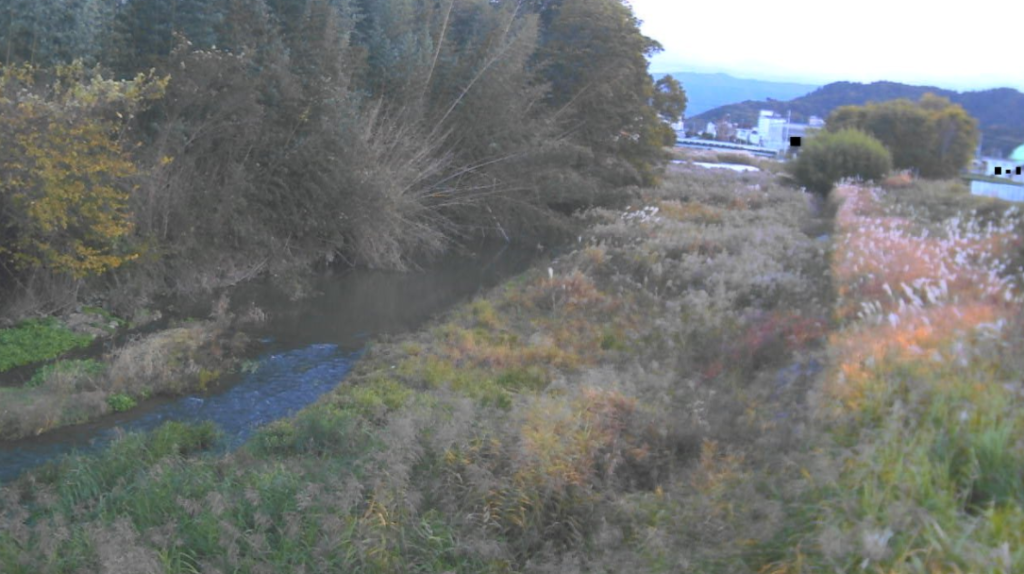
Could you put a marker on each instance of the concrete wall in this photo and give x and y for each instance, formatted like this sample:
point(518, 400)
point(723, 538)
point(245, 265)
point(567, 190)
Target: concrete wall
point(1000, 190)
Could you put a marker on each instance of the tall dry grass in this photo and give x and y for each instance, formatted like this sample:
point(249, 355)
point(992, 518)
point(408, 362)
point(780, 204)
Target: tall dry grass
point(920, 466)
point(615, 410)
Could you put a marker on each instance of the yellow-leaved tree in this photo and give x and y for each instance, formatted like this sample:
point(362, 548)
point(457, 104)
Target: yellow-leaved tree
point(64, 168)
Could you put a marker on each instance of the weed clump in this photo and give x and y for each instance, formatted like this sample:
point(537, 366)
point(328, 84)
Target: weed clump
point(120, 402)
point(68, 374)
point(186, 358)
point(37, 340)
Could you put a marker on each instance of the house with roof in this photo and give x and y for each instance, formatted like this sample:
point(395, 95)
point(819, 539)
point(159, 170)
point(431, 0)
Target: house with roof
point(1001, 166)
point(998, 177)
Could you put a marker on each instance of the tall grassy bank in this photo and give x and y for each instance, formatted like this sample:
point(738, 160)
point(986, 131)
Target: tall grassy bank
point(701, 386)
point(629, 406)
point(921, 465)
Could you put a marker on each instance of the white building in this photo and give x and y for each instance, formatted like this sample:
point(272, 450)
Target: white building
point(1012, 189)
point(988, 166)
point(1007, 166)
point(771, 128)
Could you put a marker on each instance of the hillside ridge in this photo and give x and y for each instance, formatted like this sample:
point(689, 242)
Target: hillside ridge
point(999, 111)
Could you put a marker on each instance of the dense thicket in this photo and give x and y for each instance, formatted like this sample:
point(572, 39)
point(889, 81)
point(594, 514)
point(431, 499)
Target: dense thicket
point(933, 136)
point(287, 132)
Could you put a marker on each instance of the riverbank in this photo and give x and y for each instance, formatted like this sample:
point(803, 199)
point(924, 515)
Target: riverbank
point(173, 361)
point(182, 358)
point(601, 410)
point(707, 383)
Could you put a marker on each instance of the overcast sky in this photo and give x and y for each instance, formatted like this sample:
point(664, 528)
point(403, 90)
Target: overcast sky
point(956, 45)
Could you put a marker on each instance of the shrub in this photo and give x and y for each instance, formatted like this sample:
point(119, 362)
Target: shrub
point(121, 402)
point(174, 438)
point(901, 180)
point(829, 157)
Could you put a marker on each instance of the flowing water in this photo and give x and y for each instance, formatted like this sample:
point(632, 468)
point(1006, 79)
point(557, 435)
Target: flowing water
point(309, 345)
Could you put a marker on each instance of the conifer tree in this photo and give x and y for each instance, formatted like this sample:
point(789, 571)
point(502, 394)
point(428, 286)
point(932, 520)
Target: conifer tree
point(146, 31)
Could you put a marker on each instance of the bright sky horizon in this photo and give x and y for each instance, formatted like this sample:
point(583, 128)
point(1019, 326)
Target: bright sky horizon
point(975, 46)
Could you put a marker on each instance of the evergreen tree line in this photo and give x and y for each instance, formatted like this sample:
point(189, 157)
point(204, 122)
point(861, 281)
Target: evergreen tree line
point(244, 136)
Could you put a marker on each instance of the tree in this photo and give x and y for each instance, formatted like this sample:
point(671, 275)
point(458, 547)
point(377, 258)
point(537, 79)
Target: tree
point(47, 32)
point(64, 190)
point(400, 39)
point(830, 156)
point(954, 137)
point(669, 99)
point(594, 58)
point(933, 136)
point(724, 131)
point(144, 31)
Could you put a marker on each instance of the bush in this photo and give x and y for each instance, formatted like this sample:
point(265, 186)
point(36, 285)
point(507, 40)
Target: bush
point(121, 402)
point(829, 157)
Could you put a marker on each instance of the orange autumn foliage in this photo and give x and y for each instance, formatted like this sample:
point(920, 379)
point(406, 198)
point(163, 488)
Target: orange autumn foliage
point(65, 184)
point(906, 296)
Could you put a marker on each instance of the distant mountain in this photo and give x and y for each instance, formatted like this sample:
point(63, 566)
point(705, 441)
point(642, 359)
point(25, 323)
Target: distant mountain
point(1000, 112)
point(708, 91)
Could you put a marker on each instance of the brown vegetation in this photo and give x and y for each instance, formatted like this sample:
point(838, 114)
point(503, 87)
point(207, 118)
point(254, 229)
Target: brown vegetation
point(610, 413)
point(171, 362)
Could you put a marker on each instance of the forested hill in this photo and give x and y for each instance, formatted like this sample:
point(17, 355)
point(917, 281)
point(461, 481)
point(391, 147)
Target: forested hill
point(1000, 112)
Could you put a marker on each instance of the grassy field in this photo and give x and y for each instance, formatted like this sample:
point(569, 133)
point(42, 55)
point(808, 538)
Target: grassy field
point(703, 385)
point(921, 454)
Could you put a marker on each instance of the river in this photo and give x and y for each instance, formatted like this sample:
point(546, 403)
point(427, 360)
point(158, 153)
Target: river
point(308, 346)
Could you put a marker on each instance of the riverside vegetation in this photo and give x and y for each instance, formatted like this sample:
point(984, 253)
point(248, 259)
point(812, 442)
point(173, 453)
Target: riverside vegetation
point(612, 412)
point(168, 149)
point(702, 385)
point(180, 359)
point(158, 149)
point(708, 382)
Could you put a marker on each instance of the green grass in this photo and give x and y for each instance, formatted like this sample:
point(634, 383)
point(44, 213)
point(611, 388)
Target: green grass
point(37, 340)
point(121, 402)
